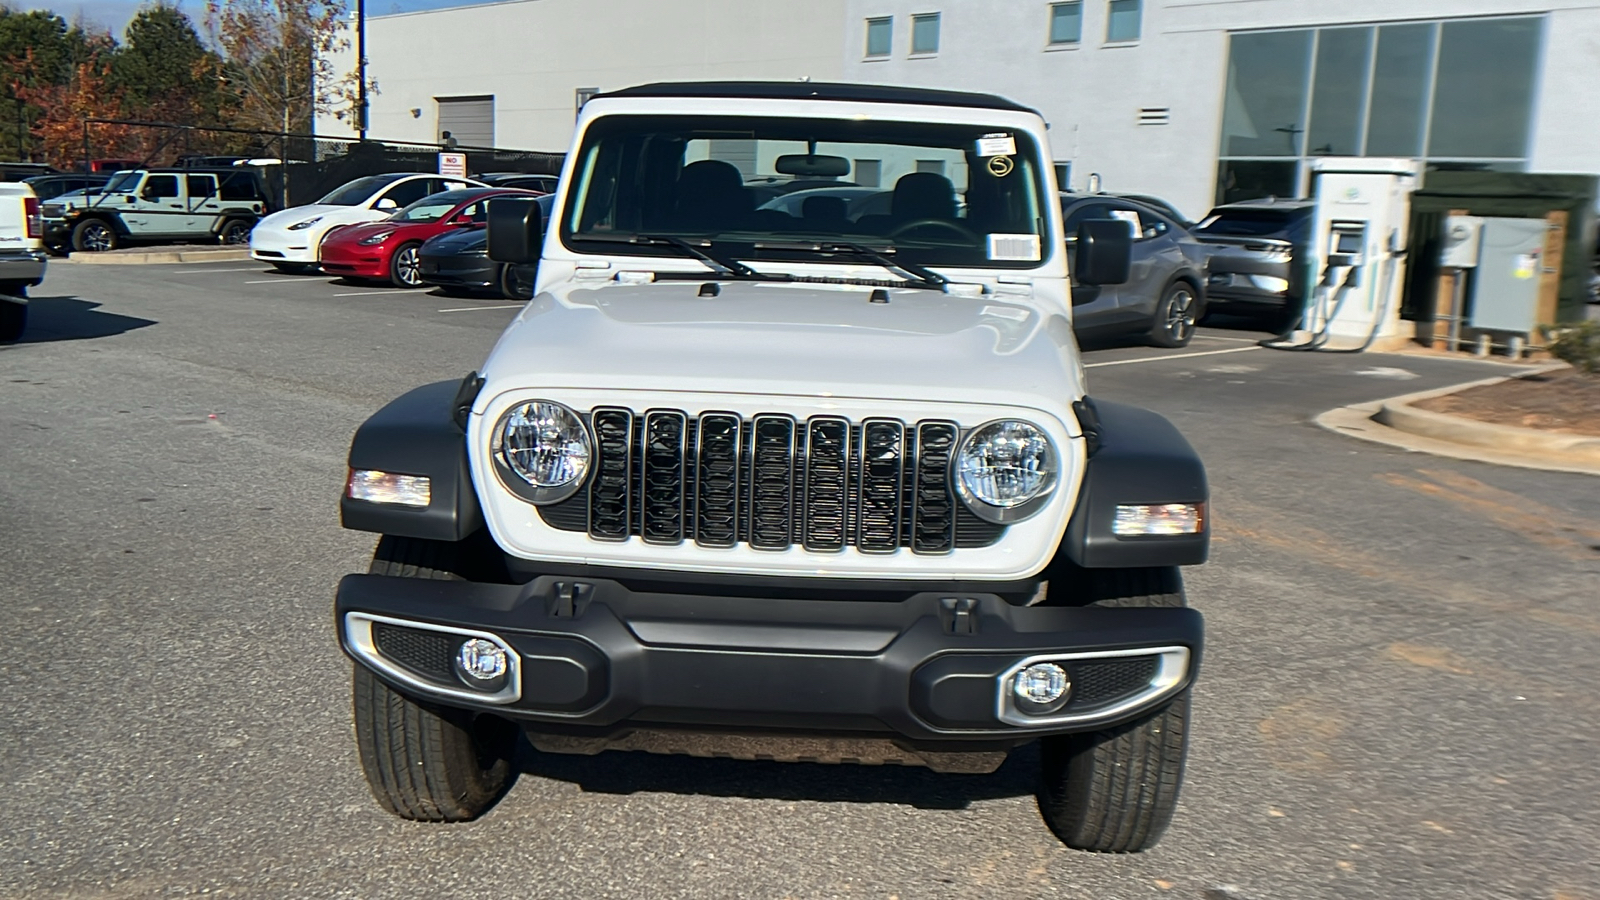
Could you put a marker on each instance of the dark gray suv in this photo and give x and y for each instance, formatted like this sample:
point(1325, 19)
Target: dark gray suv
point(1258, 251)
point(1164, 295)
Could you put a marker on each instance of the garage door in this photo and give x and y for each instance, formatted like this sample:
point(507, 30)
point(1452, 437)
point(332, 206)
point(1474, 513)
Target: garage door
point(470, 120)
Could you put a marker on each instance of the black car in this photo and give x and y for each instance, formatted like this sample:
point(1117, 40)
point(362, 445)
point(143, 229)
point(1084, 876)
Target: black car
point(522, 180)
point(1164, 295)
point(22, 171)
point(458, 262)
point(49, 187)
point(1258, 252)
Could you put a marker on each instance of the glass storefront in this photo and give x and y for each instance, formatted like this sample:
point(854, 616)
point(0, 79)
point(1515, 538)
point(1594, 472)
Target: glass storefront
point(1456, 93)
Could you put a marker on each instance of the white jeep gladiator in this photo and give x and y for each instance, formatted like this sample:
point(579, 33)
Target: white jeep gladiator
point(806, 479)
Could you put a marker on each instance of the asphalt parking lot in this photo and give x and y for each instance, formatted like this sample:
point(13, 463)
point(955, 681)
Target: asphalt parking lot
point(1398, 700)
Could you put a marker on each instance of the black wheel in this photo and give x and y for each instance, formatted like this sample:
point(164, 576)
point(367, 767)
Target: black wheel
point(1115, 790)
point(235, 231)
point(405, 268)
point(424, 762)
point(1173, 324)
point(93, 236)
point(513, 286)
point(13, 318)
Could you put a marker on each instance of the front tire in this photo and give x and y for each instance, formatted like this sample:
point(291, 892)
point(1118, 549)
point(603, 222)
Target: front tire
point(405, 267)
point(235, 232)
point(424, 762)
point(1115, 790)
point(512, 285)
point(1174, 320)
point(93, 236)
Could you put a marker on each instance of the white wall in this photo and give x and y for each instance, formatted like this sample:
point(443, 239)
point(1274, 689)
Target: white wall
point(532, 55)
point(1091, 95)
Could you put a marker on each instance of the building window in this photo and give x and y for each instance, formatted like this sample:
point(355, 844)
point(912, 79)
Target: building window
point(1066, 22)
point(931, 166)
point(925, 33)
point(583, 96)
point(869, 172)
point(1122, 21)
point(880, 36)
point(1456, 93)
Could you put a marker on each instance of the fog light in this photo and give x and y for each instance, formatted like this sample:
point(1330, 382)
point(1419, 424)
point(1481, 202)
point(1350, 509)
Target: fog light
point(1270, 283)
point(387, 487)
point(1155, 519)
point(481, 660)
point(1042, 684)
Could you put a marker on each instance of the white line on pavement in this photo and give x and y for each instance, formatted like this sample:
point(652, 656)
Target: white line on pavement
point(208, 270)
point(1150, 359)
point(475, 308)
point(1231, 340)
point(372, 293)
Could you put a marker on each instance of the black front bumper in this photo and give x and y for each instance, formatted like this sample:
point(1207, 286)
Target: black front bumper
point(460, 271)
point(594, 657)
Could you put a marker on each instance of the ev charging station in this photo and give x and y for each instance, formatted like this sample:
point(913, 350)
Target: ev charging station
point(1358, 246)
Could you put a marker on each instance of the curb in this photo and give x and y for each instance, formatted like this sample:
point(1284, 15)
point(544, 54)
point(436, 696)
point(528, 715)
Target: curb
point(1396, 423)
point(186, 255)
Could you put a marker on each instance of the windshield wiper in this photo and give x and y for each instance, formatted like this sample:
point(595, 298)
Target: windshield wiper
point(726, 266)
point(914, 275)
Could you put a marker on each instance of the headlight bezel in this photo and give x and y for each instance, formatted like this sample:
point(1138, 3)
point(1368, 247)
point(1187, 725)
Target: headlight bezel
point(376, 239)
point(514, 481)
point(1001, 514)
point(303, 225)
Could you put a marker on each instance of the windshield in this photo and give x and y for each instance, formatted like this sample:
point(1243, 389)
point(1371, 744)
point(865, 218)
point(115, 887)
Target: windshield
point(1281, 223)
point(921, 193)
point(434, 207)
point(357, 192)
point(122, 183)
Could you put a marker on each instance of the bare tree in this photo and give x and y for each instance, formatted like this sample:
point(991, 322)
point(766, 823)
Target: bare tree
point(280, 66)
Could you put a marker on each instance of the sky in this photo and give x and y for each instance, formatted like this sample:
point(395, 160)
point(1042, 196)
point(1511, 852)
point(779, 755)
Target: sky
point(114, 15)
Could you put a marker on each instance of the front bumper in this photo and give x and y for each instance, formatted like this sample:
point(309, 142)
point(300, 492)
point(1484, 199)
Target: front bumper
point(25, 266)
point(460, 271)
point(366, 262)
point(280, 245)
point(594, 657)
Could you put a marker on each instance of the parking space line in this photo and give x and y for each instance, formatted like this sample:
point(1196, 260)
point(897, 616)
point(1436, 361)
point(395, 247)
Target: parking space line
point(475, 308)
point(1149, 359)
point(372, 293)
point(1231, 340)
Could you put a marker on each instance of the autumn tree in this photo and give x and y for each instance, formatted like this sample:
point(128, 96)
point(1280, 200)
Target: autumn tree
point(87, 93)
point(280, 67)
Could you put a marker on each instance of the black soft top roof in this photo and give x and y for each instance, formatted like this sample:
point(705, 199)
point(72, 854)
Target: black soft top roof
point(819, 90)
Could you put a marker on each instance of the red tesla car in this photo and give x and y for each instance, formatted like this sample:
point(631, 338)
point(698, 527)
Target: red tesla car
point(387, 250)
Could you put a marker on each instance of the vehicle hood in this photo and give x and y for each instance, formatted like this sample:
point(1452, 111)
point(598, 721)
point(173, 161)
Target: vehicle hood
point(365, 230)
point(458, 242)
point(73, 199)
point(789, 339)
point(328, 212)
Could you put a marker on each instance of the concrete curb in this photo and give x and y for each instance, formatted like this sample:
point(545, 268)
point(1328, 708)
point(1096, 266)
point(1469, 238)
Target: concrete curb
point(1396, 423)
point(166, 255)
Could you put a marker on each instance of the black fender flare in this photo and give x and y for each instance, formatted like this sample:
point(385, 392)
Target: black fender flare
point(111, 217)
point(419, 433)
point(1135, 456)
point(228, 215)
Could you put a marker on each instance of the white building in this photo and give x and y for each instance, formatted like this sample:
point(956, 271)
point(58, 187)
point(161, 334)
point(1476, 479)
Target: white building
point(1192, 100)
point(511, 74)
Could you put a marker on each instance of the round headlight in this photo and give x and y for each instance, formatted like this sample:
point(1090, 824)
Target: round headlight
point(1005, 470)
point(541, 450)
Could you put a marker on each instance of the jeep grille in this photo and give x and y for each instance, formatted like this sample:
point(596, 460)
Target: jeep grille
point(770, 481)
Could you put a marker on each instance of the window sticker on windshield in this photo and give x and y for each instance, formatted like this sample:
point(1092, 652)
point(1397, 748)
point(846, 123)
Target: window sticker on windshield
point(997, 144)
point(1129, 216)
point(1014, 247)
point(999, 166)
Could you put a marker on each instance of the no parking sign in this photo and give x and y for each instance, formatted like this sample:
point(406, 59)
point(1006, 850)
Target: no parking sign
point(453, 164)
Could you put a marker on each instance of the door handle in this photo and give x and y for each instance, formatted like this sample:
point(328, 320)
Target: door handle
point(176, 205)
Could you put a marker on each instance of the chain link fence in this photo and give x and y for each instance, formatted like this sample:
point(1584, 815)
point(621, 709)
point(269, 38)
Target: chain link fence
point(299, 168)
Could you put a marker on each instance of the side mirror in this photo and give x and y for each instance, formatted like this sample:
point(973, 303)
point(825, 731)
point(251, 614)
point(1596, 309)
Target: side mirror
point(516, 230)
point(386, 203)
point(1105, 252)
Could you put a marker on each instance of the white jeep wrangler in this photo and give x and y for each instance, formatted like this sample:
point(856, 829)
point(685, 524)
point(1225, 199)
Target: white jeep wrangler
point(765, 477)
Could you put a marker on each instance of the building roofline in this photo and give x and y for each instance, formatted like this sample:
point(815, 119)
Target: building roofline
point(820, 90)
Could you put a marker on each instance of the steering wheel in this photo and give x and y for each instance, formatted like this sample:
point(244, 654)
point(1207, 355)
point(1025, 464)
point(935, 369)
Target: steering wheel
point(965, 233)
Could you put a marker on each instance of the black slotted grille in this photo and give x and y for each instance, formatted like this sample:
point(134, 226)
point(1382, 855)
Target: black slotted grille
point(933, 525)
point(427, 653)
point(662, 477)
point(717, 486)
point(1096, 682)
point(827, 490)
point(772, 482)
point(610, 493)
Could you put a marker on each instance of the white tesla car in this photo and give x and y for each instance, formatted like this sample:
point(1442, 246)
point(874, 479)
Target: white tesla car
point(291, 239)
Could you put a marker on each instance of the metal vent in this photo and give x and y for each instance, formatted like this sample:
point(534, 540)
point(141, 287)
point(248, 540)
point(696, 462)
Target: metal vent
point(1155, 115)
point(428, 653)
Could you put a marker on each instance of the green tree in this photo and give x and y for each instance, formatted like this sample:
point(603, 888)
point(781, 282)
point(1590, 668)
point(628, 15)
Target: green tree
point(164, 70)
